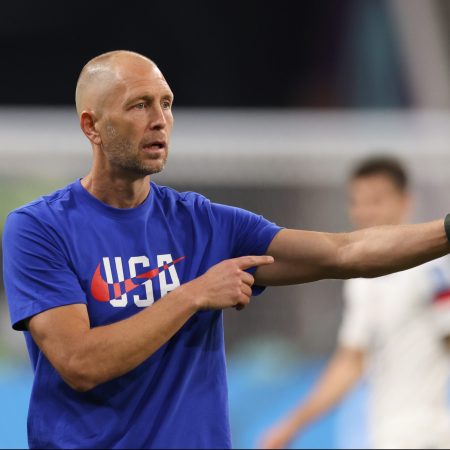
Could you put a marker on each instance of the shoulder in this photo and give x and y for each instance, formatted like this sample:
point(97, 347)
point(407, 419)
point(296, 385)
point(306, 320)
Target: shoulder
point(197, 205)
point(169, 194)
point(40, 210)
point(191, 203)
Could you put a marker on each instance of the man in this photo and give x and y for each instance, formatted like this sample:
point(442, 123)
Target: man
point(83, 266)
point(398, 324)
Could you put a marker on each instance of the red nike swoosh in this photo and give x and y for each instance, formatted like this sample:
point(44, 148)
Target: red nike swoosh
point(100, 289)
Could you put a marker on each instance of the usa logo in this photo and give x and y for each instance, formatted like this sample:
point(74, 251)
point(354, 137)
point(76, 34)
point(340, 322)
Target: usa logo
point(116, 289)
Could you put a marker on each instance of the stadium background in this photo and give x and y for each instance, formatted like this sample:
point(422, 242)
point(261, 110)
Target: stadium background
point(274, 104)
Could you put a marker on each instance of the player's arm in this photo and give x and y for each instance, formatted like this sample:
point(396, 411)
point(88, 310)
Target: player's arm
point(303, 256)
point(339, 377)
point(86, 357)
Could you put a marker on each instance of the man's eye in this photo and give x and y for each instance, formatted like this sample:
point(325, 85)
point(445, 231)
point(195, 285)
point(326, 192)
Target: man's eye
point(140, 106)
point(166, 104)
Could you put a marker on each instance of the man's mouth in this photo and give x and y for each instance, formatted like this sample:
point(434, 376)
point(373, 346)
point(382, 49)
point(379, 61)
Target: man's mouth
point(155, 146)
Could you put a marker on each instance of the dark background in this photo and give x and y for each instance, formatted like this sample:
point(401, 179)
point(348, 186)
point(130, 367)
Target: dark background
point(248, 53)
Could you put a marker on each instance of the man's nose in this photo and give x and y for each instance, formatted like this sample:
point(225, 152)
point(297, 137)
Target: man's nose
point(158, 119)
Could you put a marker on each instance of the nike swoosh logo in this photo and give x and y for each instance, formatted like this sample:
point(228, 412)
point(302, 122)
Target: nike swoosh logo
point(100, 288)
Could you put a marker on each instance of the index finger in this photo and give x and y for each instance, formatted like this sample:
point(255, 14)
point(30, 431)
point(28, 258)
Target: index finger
point(245, 262)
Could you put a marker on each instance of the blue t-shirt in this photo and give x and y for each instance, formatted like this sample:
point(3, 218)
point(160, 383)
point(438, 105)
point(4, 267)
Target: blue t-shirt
point(69, 248)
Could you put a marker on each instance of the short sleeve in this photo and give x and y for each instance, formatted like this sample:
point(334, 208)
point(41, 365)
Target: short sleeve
point(356, 327)
point(37, 275)
point(249, 233)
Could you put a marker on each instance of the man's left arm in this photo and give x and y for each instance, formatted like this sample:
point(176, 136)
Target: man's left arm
point(304, 256)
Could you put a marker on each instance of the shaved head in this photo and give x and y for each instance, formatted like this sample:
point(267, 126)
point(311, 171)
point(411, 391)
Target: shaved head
point(125, 108)
point(102, 74)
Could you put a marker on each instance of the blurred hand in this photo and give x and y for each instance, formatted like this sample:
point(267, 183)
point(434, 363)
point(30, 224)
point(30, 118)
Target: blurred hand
point(226, 284)
point(279, 436)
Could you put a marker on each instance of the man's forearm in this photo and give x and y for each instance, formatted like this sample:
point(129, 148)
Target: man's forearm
point(86, 357)
point(305, 256)
point(110, 351)
point(378, 251)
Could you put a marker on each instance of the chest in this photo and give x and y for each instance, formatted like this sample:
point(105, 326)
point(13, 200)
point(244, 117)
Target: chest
point(126, 266)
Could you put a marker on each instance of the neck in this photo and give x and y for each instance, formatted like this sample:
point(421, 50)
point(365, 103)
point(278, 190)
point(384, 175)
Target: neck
point(117, 190)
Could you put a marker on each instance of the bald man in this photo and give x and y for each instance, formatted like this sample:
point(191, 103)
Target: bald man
point(119, 283)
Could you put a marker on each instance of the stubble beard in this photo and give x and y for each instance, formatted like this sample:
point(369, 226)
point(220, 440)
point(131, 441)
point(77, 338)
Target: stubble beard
point(125, 156)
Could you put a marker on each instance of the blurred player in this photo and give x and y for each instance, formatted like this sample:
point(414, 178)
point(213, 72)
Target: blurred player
point(120, 283)
point(398, 326)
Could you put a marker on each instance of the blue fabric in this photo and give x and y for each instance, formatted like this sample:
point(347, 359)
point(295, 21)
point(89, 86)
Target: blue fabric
point(70, 248)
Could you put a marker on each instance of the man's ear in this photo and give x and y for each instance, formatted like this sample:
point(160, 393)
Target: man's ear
point(88, 123)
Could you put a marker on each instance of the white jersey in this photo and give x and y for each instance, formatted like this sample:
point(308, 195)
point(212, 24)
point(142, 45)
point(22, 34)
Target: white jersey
point(400, 321)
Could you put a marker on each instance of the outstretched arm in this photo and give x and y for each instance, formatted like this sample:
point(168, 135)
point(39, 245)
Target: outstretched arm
point(304, 256)
point(340, 376)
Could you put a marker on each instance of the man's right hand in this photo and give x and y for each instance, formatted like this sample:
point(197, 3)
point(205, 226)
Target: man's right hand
point(226, 285)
